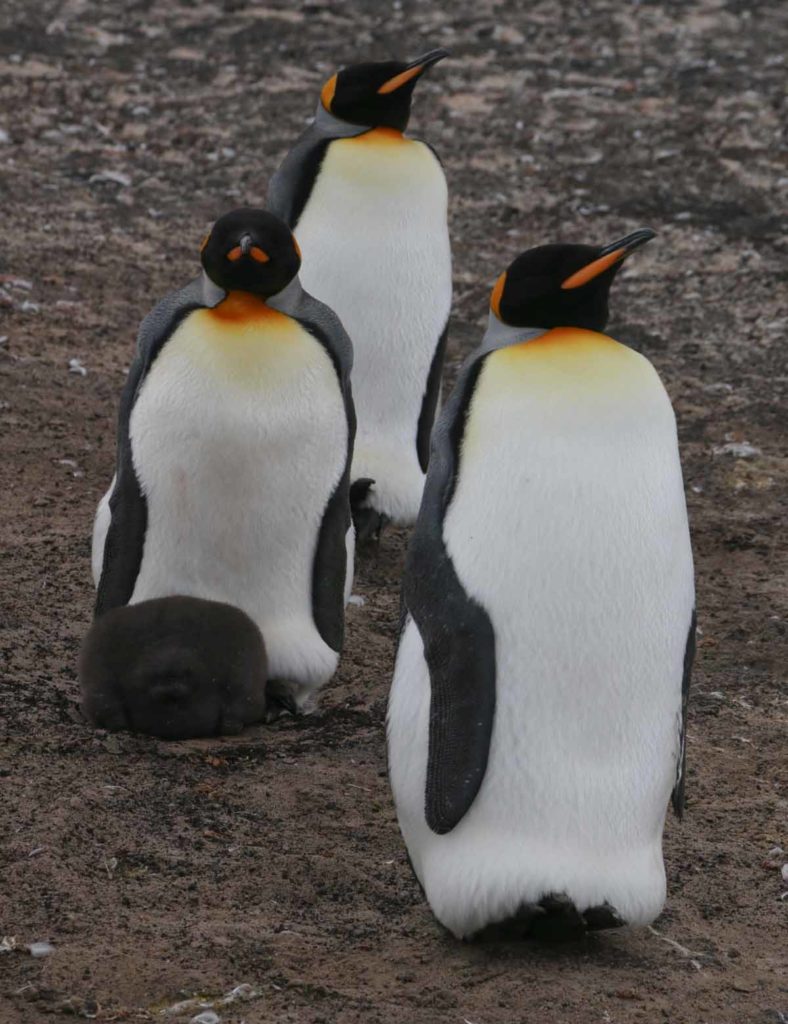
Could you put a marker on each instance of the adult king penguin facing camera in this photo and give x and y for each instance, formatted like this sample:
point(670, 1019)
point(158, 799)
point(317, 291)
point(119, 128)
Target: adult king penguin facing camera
point(235, 436)
point(368, 206)
point(537, 714)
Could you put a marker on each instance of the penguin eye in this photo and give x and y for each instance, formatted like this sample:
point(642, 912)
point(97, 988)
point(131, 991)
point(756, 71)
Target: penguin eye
point(258, 254)
point(235, 254)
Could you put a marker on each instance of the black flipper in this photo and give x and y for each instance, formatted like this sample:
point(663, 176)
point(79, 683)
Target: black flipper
point(458, 637)
point(677, 796)
point(125, 540)
point(429, 403)
point(292, 184)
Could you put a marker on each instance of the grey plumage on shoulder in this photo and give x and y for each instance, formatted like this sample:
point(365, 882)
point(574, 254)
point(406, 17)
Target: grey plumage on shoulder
point(201, 291)
point(292, 183)
point(308, 310)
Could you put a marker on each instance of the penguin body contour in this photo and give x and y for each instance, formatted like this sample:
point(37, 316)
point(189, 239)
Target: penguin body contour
point(235, 434)
point(369, 208)
point(536, 716)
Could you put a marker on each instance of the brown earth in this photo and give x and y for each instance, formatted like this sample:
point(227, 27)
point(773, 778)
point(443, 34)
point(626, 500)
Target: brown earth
point(159, 872)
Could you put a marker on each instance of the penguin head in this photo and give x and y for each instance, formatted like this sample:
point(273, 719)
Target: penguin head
point(377, 94)
point(252, 251)
point(562, 285)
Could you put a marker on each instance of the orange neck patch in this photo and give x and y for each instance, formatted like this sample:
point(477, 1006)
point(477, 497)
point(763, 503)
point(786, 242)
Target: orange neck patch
point(378, 137)
point(327, 93)
point(242, 307)
point(497, 292)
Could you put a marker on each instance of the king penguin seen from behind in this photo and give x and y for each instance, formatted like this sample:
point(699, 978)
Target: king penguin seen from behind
point(368, 206)
point(537, 716)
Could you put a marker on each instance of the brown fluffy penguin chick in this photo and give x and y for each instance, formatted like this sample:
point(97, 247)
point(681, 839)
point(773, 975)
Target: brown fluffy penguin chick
point(174, 667)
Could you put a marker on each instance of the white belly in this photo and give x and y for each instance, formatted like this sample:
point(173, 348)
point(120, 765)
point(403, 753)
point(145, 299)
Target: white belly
point(238, 443)
point(568, 525)
point(375, 246)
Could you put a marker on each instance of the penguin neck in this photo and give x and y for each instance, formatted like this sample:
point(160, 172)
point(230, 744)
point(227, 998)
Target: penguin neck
point(334, 127)
point(286, 301)
point(501, 335)
point(289, 299)
point(212, 294)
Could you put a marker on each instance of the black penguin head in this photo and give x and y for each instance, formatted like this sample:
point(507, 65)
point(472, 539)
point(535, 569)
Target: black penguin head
point(251, 250)
point(377, 94)
point(562, 285)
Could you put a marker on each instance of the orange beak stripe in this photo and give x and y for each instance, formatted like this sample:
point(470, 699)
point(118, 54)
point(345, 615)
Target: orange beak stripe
point(497, 292)
point(205, 242)
point(235, 254)
point(593, 269)
point(327, 94)
point(400, 79)
point(297, 247)
point(259, 254)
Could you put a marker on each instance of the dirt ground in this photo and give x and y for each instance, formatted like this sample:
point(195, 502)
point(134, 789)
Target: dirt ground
point(163, 873)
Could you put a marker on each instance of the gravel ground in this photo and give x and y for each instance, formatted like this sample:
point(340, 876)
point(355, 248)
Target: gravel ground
point(164, 872)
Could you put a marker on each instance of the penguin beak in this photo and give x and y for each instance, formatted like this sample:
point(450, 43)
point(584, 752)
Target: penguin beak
point(413, 70)
point(245, 244)
point(614, 253)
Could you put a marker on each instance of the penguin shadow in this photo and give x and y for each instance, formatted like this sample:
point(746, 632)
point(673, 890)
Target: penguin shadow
point(552, 931)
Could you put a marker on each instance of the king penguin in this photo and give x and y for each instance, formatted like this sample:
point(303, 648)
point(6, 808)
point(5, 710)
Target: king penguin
point(235, 436)
point(536, 717)
point(369, 208)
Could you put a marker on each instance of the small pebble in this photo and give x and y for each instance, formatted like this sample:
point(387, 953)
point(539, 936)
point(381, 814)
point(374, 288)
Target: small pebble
point(207, 1017)
point(739, 449)
point(41, 948)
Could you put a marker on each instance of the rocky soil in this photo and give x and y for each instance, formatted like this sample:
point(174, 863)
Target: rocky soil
point(165, 874)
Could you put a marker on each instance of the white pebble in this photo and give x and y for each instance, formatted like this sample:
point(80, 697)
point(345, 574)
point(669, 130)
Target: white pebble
point(41, 948)
point(739, 449)
point(207, 1017)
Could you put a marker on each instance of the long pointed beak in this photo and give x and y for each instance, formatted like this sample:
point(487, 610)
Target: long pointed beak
point(614, 253)
point(413, 70)
point(429, 58)
point(630, 242)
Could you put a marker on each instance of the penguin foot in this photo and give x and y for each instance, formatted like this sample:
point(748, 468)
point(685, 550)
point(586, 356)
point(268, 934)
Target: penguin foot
point(368, 522)
point(555, 918)
point(280, 700)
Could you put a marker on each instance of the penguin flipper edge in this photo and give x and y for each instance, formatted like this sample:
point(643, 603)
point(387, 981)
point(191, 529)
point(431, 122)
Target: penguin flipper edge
point(458, 636)
point(125, 536)
point(677, 796)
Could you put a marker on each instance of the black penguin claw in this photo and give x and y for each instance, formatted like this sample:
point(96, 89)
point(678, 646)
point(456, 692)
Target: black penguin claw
point(279, 700)
point(368, 522)
point(555, 918)
point(369, 525)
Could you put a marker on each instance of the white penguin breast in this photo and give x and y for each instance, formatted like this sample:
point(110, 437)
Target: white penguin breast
point(568, 524)
point(375, 246)
point(239, 437)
